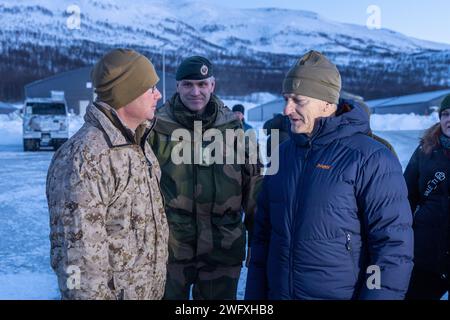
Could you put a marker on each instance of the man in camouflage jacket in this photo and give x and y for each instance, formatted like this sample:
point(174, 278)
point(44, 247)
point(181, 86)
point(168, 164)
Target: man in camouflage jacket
point(109, 231)
point(204, 201)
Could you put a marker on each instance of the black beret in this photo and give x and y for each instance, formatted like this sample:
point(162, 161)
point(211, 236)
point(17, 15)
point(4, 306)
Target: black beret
point(194, 68)
point(239, 107)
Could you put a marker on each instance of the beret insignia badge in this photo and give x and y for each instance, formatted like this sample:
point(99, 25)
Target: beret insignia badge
point(204, 70)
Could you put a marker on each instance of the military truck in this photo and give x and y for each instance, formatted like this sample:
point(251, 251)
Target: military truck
point(45, 123)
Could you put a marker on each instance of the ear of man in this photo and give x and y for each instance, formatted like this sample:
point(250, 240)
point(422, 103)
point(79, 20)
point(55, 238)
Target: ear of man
point(329, 107)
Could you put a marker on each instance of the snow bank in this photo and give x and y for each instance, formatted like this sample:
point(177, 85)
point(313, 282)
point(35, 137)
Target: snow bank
point(395, 122)
point(250, 101)
point(10, 130)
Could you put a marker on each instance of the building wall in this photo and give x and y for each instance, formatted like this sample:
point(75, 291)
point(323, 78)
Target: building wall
point(418, 108)
point(422, 108)
point(74, 84)
point(437, 102)
point(266, 111)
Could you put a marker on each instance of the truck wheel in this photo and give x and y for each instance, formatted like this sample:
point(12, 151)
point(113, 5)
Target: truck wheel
point(29, 145)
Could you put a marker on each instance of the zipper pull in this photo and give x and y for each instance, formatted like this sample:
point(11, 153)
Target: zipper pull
point(150, 165)
point(347, 244)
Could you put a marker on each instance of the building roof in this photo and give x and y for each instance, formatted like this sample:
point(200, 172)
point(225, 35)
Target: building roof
point(6, 108)
point(408, 99)
point(45, 100)
point(59, 75)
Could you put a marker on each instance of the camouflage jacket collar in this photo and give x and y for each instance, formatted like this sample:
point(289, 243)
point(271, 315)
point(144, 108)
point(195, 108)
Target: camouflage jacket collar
point(104, 117)
point(168, 121)
point(187, 118)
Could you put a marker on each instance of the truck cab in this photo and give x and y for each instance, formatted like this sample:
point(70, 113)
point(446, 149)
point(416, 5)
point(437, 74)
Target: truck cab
point(45, 123)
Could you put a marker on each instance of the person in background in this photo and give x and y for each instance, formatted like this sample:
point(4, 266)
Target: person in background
point(239, 111)
point(427, 178)
point(278, 122)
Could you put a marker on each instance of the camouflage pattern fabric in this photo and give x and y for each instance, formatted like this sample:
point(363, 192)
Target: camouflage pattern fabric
point(204, 206)
point(107, 216)
point(209, 282)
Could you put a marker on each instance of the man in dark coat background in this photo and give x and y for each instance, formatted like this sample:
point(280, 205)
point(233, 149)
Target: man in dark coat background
point(278, 122)
point(239, 111)
point(335, 221)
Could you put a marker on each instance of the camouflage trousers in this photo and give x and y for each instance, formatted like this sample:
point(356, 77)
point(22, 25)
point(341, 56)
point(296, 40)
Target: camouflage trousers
point(209, 282)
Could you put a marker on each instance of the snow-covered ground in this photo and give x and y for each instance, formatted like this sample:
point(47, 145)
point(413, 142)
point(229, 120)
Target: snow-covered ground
point(24, 245)
point(25, 271)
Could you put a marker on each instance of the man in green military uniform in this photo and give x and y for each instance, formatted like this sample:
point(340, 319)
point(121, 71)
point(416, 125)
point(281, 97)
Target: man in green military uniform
point(204, 201)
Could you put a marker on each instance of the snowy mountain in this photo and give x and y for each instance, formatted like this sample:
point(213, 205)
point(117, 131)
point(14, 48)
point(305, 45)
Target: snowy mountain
point(256, 46)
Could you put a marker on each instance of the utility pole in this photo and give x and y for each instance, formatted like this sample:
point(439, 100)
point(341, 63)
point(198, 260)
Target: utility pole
point(164, 70)
point(164, 74)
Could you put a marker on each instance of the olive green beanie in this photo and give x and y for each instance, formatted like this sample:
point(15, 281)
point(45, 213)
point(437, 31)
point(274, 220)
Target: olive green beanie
point(121, 76)
point(313, 75)
point(444, 105)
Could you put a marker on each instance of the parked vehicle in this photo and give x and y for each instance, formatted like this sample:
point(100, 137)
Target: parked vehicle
point(45, 123)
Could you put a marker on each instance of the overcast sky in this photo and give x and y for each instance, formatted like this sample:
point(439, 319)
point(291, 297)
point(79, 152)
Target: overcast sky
point(428, 20)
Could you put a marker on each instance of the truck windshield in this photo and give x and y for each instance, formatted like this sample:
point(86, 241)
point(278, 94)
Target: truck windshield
point(47, 108)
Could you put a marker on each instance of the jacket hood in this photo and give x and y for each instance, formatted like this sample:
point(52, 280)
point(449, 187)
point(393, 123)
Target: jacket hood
point(351, 119)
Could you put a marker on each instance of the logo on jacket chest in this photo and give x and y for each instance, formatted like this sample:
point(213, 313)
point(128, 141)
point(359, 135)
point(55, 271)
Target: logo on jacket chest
point(433, 183)
point(323, 166)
